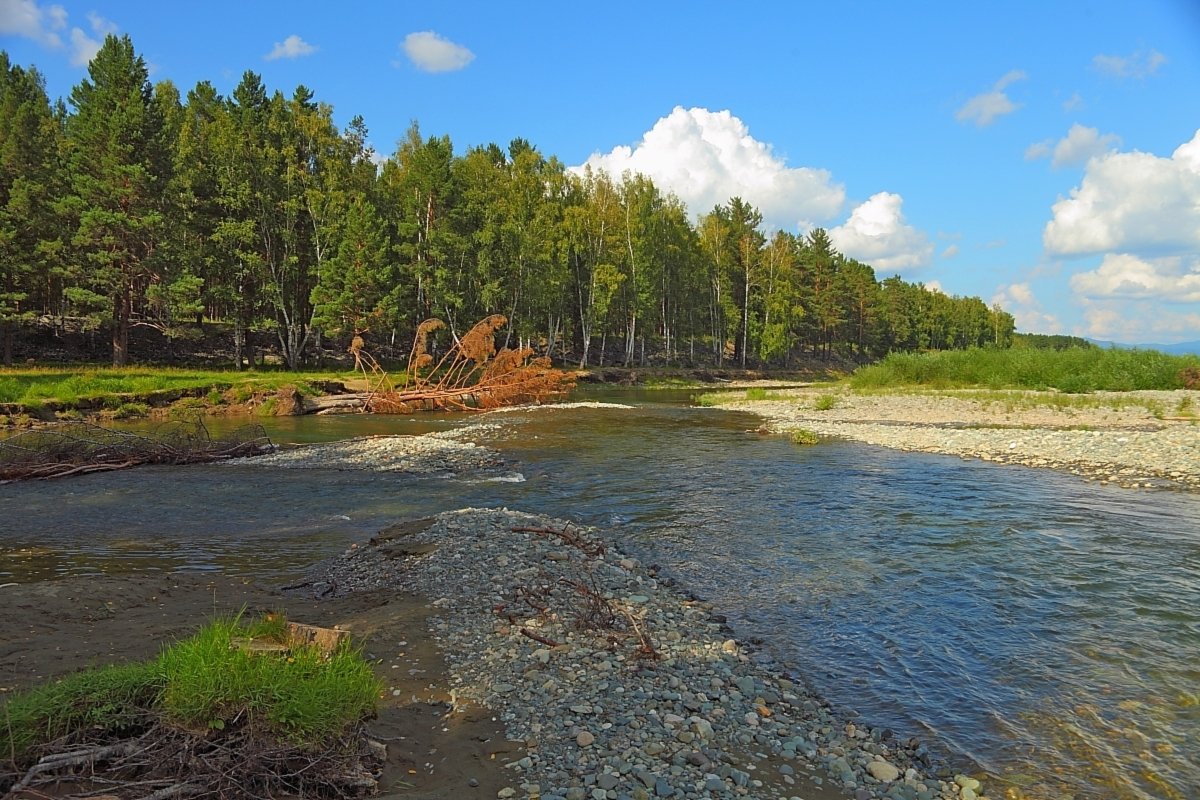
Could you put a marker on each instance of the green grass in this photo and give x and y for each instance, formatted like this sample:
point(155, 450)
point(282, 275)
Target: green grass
point(33, 387)
point(825, 402)
point(1075, 370)
point(805, 436)
point(110, 699)
point(203, 683)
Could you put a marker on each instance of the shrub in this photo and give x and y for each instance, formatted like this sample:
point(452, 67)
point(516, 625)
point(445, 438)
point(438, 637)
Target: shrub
point(825, 402)
point(131, 410)
point(805, 436)
point(1189, 377)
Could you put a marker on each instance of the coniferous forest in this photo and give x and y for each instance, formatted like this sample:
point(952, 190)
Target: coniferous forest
point(132, 204)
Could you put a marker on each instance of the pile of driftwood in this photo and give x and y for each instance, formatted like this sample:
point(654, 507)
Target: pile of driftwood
point(471, 375)
point(80, 448)
point(161, 761)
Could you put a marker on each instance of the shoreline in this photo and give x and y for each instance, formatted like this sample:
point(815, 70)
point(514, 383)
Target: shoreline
point(1127, 439)
point(523, 657)
point(620, 684)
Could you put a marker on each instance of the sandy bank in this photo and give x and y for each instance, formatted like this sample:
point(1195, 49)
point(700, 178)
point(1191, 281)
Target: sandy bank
point(1132, 439)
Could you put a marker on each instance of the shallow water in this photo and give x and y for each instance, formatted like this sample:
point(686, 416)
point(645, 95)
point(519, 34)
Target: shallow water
point(1021, 622)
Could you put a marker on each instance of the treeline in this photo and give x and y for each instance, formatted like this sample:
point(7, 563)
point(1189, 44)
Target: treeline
point(141, 207)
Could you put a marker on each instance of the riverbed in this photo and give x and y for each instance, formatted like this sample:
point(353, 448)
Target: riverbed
point(1022, 622)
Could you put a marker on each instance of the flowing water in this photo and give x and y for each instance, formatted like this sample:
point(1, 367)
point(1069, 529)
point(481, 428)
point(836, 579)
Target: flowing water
point(1023, 623)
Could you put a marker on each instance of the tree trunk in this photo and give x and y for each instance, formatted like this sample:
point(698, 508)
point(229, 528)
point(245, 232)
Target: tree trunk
point(120, 331)
point(8, 343)
point(239, 341)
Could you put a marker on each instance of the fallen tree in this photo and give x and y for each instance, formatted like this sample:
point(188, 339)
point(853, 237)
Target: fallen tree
point(471, 375)
point(81, 448)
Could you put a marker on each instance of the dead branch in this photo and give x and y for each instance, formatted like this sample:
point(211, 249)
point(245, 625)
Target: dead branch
point(83, 448)
point(537, 638)
point(575, 540)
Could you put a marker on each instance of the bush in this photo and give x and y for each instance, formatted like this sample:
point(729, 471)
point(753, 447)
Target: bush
point(825, 402)
point(1189, 377)
point(805, 436)
point(1072, 370)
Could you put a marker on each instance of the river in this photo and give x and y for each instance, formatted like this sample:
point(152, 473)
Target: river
point(1021, 622)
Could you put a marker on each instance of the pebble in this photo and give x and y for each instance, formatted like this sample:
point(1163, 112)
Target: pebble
point(600, 719)
point(1114, 437)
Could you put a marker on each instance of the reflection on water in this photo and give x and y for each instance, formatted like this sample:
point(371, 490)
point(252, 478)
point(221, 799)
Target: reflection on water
point(1022, 622)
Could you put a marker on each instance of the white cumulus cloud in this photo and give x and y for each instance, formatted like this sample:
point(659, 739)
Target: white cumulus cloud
point(1136, 65)
point(707, 157)
point(84, 46)
point(1134, 321)
point(27, 19)
point(433, 53)
point(877, 234)
point(291, 47)
point(1080, 144)
point(1131, 202)
point(1171, 279)
point(984, 109)
point(1019, 300)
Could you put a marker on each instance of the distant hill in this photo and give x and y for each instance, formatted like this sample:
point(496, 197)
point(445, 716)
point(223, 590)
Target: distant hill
point(1178, 349)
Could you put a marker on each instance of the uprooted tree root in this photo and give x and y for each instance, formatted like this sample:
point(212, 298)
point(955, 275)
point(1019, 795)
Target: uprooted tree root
point(168, 762)
point(471, 376)
point(82, 448)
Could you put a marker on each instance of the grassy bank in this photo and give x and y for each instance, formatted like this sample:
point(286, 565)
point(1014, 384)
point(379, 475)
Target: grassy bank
point(36, 386)
point(1073, 370)
point(233, 681)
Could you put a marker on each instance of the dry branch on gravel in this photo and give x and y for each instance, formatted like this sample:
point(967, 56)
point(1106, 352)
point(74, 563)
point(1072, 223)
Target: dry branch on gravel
point(471, 375)
point(82, 448)
point(166, 761)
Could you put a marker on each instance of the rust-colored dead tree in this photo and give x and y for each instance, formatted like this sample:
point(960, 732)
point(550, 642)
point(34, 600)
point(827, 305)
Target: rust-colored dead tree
point(471, 375)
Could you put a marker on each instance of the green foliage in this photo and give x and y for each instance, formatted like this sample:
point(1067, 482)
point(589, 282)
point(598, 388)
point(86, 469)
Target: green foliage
point(1076, 370)
point(130, 410)
point(145, 208)
point(825, 402)
point(204, 682)
point(805, 436)
point(31, 387)
point(1041, 341)
point(757, 393)
point(111, 699)
point(304, 697)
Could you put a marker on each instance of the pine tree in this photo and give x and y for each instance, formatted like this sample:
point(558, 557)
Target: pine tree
point(29, 176)
point(119, 164)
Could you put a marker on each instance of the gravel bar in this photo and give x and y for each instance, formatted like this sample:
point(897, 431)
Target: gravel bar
point(1129, 439)
point(621, 686)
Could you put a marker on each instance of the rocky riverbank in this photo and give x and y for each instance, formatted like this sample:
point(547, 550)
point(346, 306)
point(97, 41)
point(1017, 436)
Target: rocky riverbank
point(620, 685)
point(1130, 439)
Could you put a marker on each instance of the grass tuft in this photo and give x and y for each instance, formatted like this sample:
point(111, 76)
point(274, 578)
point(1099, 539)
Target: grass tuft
point(110, 699)
point(301, 696)
point(805, 436)
point(825, 402)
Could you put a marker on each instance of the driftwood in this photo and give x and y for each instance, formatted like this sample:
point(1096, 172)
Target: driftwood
point(81, 448)
point(160, 761)
point(471, 376)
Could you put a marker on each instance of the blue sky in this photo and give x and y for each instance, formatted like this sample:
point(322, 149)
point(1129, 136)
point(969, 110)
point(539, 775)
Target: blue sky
point(1041, 154)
